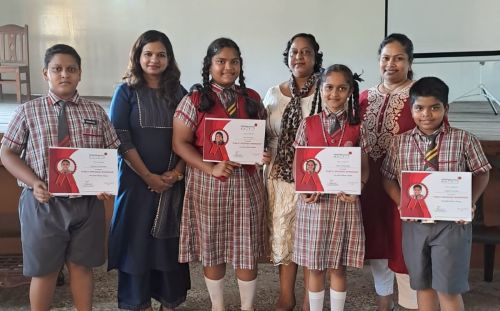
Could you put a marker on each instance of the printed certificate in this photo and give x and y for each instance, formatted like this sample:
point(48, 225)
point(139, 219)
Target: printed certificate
point(237, 140)
point(82, 171)
point(436, 195)
point(328, 169)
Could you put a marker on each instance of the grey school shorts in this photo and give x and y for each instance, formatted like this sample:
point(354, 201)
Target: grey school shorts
point(438, 255)
point(61, 230)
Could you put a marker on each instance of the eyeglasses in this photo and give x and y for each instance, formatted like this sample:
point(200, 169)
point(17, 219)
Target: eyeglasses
point(303, 53)
point(60, 69)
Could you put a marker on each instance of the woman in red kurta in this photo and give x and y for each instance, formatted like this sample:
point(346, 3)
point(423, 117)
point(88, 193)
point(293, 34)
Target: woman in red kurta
point(386, 111)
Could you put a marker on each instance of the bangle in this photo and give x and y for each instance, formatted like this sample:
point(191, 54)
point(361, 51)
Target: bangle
point(178, 174)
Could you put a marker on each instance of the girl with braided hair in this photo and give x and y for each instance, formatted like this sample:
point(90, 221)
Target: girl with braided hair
point(287, 104)
point(329, 228)
point(224, 205)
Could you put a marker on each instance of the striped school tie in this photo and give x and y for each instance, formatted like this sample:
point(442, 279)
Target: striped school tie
point(229, 98)
point(334, 126)
point(63, 139)
point(432, 153)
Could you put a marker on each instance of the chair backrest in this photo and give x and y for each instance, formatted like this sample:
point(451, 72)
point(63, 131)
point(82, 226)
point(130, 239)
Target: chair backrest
point(14, 49)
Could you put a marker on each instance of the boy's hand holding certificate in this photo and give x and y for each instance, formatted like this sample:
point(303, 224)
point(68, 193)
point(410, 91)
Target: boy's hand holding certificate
point(82, 171)
point(237, 140)
point(328, 170)
point(436, 195)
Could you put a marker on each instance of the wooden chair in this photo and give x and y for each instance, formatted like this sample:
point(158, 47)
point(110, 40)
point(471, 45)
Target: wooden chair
point(14, 59)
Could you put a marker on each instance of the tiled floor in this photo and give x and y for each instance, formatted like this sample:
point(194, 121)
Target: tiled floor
point(360, 295)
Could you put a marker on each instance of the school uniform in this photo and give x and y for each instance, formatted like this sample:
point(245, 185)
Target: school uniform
point(222, 219)
point(329, 233)
point(64, 228)
point(437, 254)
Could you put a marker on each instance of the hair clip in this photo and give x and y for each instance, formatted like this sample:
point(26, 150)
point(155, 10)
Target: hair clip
point(357, 77)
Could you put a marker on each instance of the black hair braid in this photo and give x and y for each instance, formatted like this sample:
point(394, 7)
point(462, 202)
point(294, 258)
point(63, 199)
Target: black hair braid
point(350, 113)
point(243, 87)
point(251, 106)
point(313, 106)
point(317, 97)
point(206, 101)
point(316, 106)
point(353, 105)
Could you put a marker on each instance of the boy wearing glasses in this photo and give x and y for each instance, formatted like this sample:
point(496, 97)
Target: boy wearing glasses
point(57, 230)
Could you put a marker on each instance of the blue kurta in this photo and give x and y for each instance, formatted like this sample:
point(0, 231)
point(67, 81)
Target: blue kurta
point(144, 121)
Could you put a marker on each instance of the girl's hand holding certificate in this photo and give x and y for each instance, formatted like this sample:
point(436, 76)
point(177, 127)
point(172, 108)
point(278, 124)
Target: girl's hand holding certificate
point(266, 158)
point(348, 198)
point(224, 169)
point(311, 197)
point(314, 197)
point(104, 196)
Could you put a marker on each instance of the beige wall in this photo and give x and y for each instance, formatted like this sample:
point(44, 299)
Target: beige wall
point(348, 31)
point(104, 30)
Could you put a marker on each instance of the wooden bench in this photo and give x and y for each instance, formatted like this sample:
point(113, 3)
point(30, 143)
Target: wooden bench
point(10, 229)
point(11, 262)
point(489, 235)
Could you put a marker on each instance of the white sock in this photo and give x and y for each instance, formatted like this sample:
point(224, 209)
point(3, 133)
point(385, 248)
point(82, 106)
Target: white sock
point(216, 291)
point(337, 300)
point(247, 293)
point(383, 277)
point(316, 300)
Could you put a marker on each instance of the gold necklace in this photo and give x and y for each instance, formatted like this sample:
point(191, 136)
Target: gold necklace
point(384, 89)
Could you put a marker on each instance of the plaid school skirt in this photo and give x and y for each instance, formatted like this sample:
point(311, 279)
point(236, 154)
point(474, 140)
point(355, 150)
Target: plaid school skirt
point(329, 234)
point(223, 221)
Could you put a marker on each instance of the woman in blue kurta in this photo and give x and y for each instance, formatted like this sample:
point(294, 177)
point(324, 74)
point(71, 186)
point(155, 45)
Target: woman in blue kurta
point(144, 234)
